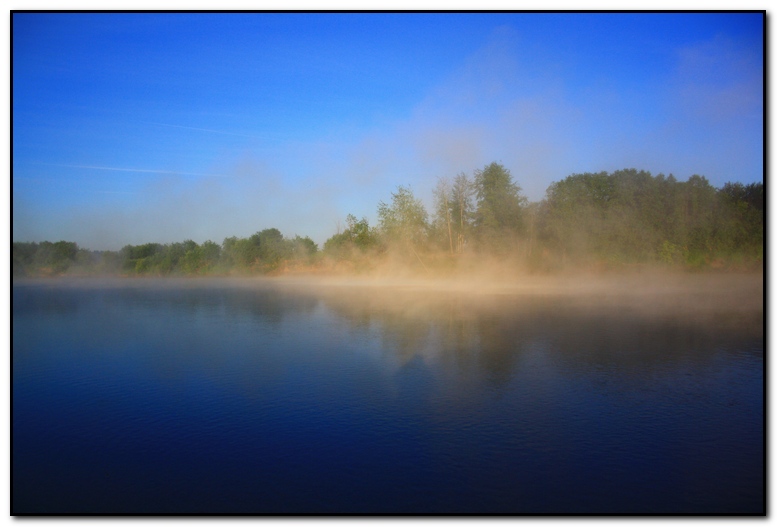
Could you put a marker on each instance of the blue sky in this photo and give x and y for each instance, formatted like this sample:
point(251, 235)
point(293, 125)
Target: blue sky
point(134, 128)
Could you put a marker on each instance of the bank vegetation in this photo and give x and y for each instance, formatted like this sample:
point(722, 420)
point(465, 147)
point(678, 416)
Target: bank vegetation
point(478, 223)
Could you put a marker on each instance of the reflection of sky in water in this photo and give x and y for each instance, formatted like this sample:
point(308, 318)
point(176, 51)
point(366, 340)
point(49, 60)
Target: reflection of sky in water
point(242, 398)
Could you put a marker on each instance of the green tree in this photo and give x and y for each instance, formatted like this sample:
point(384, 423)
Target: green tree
point(462, 209)
point(357, 236)
point(338, 245)
point(210, 253)
point(700, 211)
point(191, 260)
point(631, 216)
point(240, 253)
point(273, 249)
point(741, 221)
point(443, 216)
point(405, 219)
point(630, 232)
point(55, 258)
point(360, 233)
point(23, 256)
point(303, 249)
point(139, 258)
point(178, 258)
point(574, 209)
point(752, 194)
point(499, 212)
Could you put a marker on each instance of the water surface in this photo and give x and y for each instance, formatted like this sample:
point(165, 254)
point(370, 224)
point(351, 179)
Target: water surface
point(229, 396)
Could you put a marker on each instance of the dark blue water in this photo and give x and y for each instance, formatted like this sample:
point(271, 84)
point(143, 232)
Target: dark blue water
point(217, 397)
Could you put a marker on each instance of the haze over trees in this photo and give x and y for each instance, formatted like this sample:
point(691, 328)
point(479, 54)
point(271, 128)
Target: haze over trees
point(499, 214)
point(586, 221)
point(631, 216)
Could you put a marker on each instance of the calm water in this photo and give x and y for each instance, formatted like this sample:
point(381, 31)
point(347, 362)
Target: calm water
point(222, 397)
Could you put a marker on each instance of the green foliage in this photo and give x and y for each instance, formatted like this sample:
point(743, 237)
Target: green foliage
point(751, 196)
point(337, 244)
point(23, 254)
point(619, 218)
point(453, 214)
point(45, 258)
point(499, 213)
point(571, 212)
point(462, 210)
point(303, 249)
point(141, 258)
point(240, 253)
point(272, 248)
point(54, 259)
point(405, 219)
point(631, 216)
point(209, 256)
point(358, 236)
point(670, 254)
point(360, 233)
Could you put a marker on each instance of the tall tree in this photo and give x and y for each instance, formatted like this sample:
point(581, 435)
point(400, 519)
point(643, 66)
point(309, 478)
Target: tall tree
point(273, 249)
point(357, 236)
point(210, 253)
point(462, 208)
point(442, 209)
point(360, 233)
point(499, 202)
point(405, 219)
point(240, 253)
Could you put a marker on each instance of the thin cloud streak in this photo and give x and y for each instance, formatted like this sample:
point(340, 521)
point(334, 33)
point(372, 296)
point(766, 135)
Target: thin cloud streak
point(140, 170)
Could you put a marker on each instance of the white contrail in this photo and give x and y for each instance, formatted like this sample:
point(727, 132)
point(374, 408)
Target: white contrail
point(144, 170)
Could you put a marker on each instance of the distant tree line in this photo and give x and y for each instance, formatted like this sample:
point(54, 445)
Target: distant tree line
point(631, 216)
point(264, 252)
point(591, 219)
point(586, 220)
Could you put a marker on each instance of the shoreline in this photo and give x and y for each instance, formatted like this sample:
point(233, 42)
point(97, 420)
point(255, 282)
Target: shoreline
point(730, 301)
point(650, 283)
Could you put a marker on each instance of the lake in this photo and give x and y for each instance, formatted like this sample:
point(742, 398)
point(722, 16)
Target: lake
point(292, 396)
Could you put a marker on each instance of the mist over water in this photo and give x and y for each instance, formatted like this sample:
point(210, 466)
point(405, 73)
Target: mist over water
point(548, 395)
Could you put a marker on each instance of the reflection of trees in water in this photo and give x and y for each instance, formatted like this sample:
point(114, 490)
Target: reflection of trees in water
point(405, 337)
point(401, 323)
point(37, 299)
point(257, 299)
point(488, 335)
point(626, 336)
point(174, 328)
point(260, 303)
point(218, 322)
point(232, 333)
point(441, 327)
point(458, 330)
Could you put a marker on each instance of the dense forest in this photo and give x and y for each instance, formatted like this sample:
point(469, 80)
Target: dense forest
point(589, 221)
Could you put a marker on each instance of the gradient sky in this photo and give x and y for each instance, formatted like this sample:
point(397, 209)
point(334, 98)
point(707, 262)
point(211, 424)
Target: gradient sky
point(135, 128)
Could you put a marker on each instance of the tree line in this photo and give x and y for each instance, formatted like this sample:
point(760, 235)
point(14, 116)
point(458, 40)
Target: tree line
point(263, 252)
point(585, 220)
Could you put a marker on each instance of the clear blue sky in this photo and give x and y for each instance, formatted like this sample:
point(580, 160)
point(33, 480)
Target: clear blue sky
point(134, 128)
